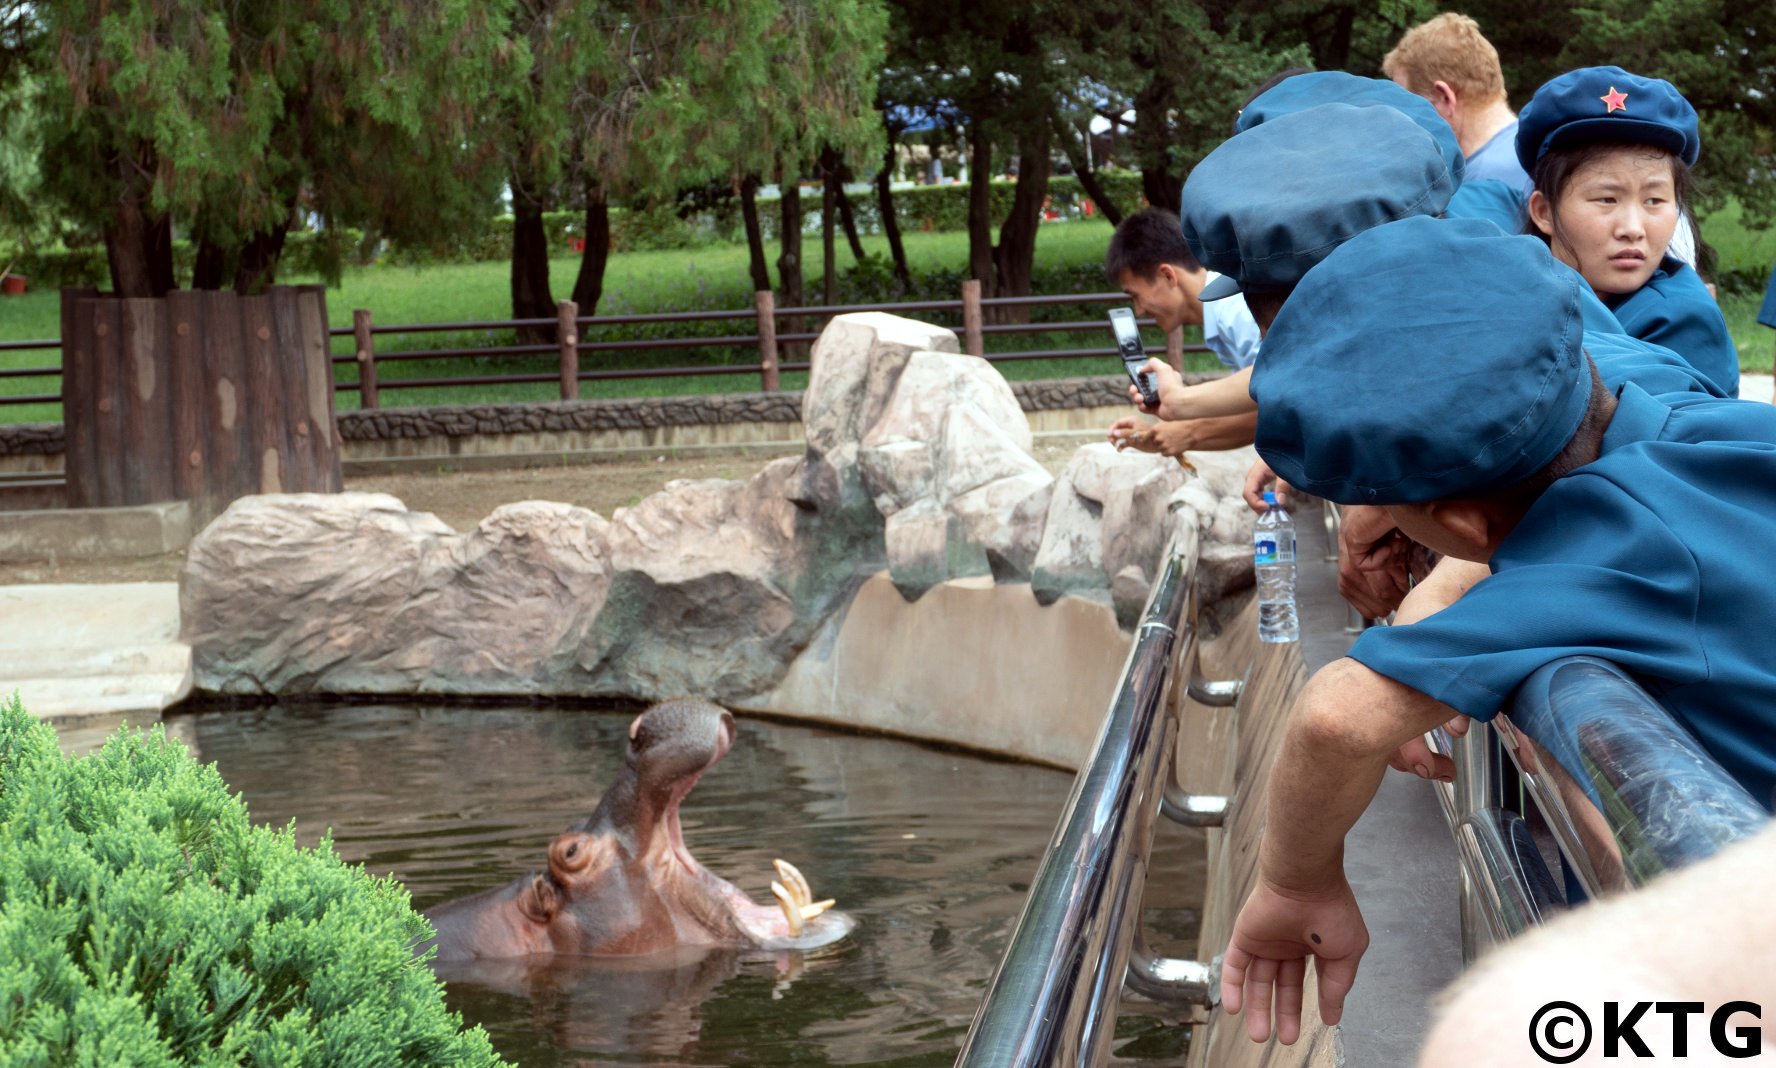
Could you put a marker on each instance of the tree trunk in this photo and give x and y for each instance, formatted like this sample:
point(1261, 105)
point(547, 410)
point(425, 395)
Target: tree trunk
point(212, 269)
point(1152, 142)
point(1162, 189)
point(257, 269)
point(755, 234)
point(980, 213)
point(531, 295)
point(829, 289)
point(1015, 256)
point(890, 224)
point(1088, 178)
point(139, 250)
point(789, 260)
point(589, 286)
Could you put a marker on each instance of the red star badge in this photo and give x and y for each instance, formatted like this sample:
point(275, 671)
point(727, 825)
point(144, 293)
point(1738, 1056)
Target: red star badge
point(1615, 101)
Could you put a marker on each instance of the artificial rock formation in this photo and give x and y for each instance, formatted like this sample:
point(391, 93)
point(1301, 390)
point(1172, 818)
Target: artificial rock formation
point(918, 464)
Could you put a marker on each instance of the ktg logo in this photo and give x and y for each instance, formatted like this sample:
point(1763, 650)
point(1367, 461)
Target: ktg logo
point(1560, 1032)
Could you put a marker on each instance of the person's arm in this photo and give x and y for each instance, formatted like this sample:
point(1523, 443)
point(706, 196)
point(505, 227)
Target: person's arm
point(1177, 436)
point(1347, 722)
point(1218, 396)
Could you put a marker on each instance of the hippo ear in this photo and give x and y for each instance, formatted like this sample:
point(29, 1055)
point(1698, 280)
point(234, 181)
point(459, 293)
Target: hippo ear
point(539, 900)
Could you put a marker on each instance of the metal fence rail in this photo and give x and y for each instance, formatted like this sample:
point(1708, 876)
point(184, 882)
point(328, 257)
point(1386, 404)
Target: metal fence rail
point(1624, 792)
point(1052, 1000)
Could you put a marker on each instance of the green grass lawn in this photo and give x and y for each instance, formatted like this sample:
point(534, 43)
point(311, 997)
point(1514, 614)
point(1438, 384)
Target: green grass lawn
point(712, 278)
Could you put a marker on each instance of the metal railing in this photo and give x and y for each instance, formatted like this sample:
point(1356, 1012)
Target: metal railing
point(1053, 998)
point(571, 343)
point(1625, 794)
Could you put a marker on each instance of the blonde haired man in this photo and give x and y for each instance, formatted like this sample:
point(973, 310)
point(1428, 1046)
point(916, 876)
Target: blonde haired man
point(1448, 62)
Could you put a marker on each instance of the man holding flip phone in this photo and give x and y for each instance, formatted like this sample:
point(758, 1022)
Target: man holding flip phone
point(1149, 261)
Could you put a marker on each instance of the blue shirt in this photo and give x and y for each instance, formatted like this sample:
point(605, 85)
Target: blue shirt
point(1674, 309)
point(1497, 160)
point(1649, 557)
point(1229, 330)
point(1767, 313)
point(1488, 198)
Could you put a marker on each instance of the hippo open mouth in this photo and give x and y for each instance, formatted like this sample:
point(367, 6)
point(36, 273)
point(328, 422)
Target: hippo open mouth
point(786, 924)
point(623, 880)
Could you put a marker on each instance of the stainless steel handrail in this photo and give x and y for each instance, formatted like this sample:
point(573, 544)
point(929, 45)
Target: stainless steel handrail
point(1625, 791)
point(1628, 792)
point(1053, 999)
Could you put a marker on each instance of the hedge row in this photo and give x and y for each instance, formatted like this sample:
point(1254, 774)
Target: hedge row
point(920, 208)
point(145, 921)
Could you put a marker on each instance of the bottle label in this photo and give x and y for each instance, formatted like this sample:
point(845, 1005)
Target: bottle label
point(1272, 547)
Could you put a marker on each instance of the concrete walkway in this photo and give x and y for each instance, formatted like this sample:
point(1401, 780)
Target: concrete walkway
point(102, 652)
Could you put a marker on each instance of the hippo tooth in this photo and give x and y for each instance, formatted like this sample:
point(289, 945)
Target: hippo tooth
point(818, 907)
point(792, 910)
point(793, 878)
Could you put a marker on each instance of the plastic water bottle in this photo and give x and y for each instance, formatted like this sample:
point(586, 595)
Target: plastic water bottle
point(1273, 558)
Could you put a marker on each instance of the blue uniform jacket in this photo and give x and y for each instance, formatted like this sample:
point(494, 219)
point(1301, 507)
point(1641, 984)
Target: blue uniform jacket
point(1674, 309)
point(1489, 199)
point(1653, 558)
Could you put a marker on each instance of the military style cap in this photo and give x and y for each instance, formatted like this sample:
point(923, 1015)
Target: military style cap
point(1271, 202)
point(1305, 91)
point(1423, 359)
point(1606, 104)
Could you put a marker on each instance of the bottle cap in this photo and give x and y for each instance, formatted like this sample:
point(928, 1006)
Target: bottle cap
point(1270, 498)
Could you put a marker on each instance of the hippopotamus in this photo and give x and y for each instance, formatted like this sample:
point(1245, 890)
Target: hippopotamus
point(622, 881)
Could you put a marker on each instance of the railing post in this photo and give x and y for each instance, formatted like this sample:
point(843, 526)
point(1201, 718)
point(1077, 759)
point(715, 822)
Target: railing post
point(767, 333)
point(971, 318)
point(567, 315)
point(1175, 348)
point(366, 358)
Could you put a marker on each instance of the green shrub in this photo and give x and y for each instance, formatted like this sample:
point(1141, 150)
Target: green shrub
point(145, 921)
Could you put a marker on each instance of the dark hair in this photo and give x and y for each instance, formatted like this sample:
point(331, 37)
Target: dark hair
point(1145, 240)
point(1557, 167)
point(1582, 448)
point(1266, 86)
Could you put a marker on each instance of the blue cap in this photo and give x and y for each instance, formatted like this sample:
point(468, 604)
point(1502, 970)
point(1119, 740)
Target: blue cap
point(1606, 104)
point(1269, 203)
point(1425, 359)
point(1304, 91)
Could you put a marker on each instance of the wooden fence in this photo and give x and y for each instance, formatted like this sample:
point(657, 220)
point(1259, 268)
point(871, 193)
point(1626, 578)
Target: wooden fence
point(761, 333)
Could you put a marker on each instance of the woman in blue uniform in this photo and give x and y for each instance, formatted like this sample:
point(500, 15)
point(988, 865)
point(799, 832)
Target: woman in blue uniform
point(1610, 155)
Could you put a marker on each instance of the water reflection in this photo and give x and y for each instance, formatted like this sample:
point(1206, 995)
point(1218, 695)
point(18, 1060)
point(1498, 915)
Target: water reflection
point(930, 851)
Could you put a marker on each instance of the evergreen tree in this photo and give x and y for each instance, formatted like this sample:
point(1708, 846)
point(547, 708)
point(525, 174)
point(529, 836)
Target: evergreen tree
point(228, 119)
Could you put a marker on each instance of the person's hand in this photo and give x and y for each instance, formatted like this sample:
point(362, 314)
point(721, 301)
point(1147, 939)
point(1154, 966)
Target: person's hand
point(1418, 758)
point(1166, 382)
point(1372, 560)
point(1170, 438)
point(1266, 963)
point(1259, 477)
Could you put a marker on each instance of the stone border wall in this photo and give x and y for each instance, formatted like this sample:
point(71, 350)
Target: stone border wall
point(595, 416)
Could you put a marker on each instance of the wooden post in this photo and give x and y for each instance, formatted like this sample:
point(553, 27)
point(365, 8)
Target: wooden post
point(366, 358)
point(185, 312)
point(1175, 348)
point(147, 415)
point(267, 438)
point(567, 314)
point(230, 453)
point(317, 367)
point(299, 471)
point(767, 332)
point(972, 343)
point(79, 398)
